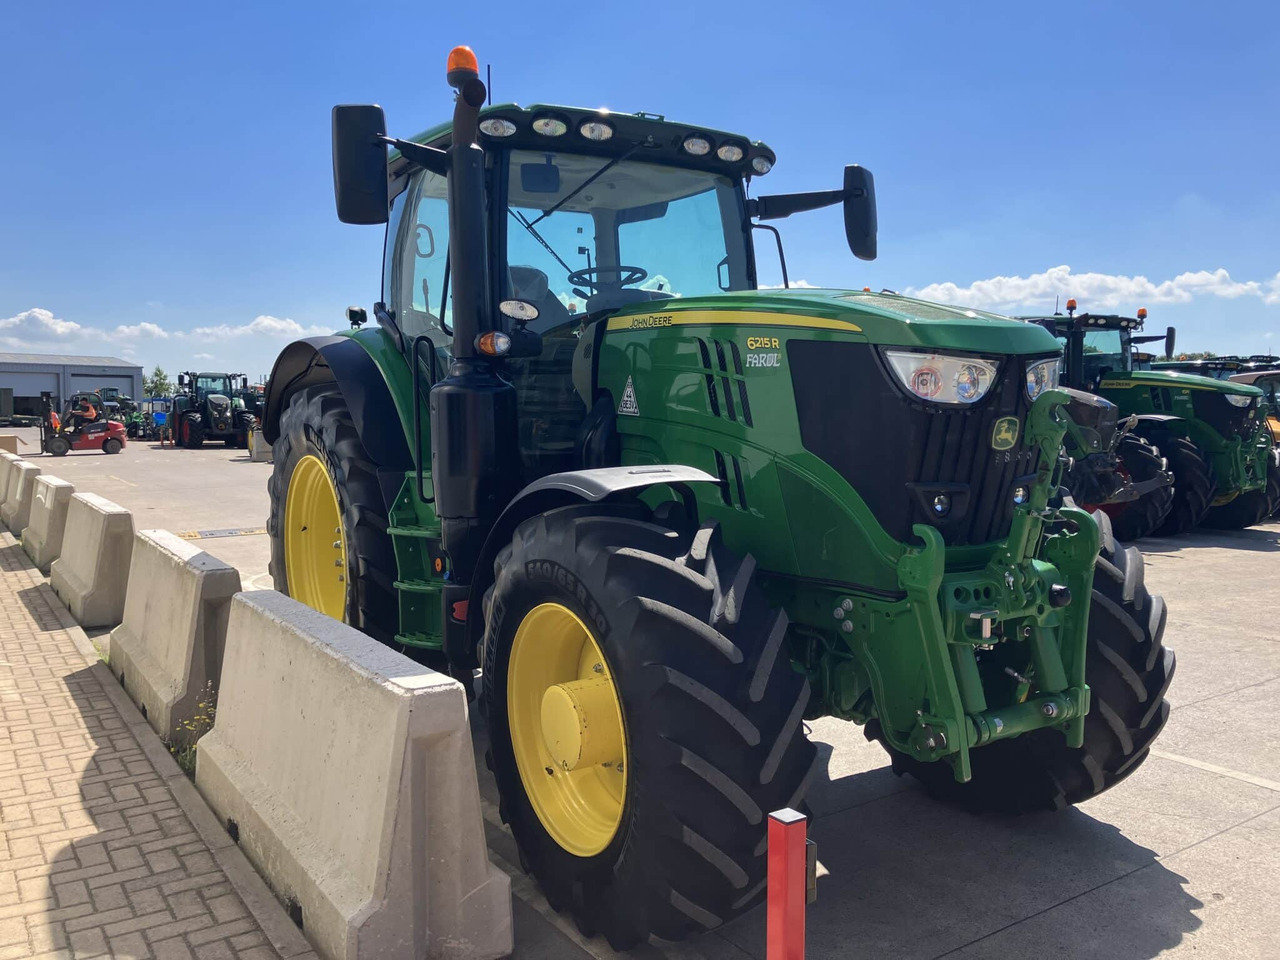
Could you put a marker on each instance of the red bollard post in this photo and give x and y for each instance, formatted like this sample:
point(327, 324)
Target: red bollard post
point(784, 926)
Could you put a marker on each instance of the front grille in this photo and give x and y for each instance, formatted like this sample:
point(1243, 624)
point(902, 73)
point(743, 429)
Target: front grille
point(1230, 421)
point(900, 454)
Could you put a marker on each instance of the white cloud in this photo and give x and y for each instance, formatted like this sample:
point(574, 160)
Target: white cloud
point(1272, 296)
point(259, 326)
point(1095, 290)
point(795, 285)
point(144, 330)
point(37, 325)
point(202, 356)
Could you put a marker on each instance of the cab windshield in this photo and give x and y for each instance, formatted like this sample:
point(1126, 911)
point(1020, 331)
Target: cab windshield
point(587, 234)
point(1105, 351)
point(206, 384)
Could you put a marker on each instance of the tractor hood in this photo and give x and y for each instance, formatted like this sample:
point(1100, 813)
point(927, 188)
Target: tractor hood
point(1187, 381)
point(880, 318)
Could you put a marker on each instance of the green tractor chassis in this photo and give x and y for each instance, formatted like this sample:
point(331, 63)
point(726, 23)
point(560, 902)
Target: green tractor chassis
point(670, 516)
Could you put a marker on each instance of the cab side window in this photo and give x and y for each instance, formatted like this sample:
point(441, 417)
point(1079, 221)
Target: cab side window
point(422, 253)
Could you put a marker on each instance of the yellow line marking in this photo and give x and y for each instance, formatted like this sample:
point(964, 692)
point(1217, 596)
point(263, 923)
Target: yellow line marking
point(1221, 771)
point(652, 321)
point(127, 483)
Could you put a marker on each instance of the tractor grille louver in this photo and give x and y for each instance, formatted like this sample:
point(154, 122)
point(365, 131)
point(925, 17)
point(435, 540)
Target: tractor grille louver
point(899, 454)
point(726, 386)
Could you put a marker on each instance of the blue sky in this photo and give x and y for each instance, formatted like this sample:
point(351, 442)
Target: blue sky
point(166, 189)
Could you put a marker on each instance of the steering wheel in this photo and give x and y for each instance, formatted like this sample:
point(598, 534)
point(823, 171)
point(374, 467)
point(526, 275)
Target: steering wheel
point(589, 277)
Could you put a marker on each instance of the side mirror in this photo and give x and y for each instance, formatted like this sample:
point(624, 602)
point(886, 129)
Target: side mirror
point(360, 163)
point(1170, 336)
point(860, 211)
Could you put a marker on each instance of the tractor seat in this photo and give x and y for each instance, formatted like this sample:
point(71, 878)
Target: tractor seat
point(531, 284)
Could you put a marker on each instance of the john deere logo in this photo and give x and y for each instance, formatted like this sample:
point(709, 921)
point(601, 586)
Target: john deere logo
point(1005, 434)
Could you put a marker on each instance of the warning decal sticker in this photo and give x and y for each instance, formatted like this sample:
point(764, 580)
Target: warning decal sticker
point(628, 406)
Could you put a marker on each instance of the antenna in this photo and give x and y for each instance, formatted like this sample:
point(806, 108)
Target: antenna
point(488, 81)
point(1055, 303)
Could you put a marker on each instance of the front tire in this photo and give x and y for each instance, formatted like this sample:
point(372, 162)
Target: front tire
point(192, 431)
point(711, 712)
point(1194, 486)
point(1128, 670)
point(111, 446)
point(319, 449)
point(1142, 517)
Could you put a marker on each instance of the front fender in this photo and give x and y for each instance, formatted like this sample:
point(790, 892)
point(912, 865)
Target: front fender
point(549, 493)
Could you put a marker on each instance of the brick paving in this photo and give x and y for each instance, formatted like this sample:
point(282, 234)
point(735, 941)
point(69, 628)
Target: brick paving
point(98, 856)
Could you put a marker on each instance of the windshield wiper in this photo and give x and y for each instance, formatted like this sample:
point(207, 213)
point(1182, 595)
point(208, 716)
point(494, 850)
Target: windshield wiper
point(586, 183)
point(524, 222)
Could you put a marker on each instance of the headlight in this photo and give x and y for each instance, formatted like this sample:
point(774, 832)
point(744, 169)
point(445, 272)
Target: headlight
point(1236, 400)
point(943, 379)
point(1043, 376)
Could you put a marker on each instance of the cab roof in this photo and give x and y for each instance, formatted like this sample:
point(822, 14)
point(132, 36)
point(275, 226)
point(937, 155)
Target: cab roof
point(645, 136)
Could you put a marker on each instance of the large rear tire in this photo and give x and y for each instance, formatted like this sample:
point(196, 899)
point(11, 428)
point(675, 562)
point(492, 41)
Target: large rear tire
point(318, 433)
point(1194, 486)
point(1142, 517)
point(710, 708)
point(1128, 671)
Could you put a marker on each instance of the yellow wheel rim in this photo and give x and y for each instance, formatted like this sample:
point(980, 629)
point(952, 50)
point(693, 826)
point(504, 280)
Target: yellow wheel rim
point(315, 549)
point(567, 730)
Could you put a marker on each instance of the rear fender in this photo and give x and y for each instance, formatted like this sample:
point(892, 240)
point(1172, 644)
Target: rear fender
point(363, 384)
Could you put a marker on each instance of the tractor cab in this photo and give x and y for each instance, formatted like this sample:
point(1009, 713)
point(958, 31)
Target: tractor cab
point(1101, 346)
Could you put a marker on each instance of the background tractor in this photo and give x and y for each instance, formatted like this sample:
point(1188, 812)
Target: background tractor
point(1110, 467)
point(671, 515)
point(1210, 432)
point(123, 408)
point(208, 406)
point(1265, 375)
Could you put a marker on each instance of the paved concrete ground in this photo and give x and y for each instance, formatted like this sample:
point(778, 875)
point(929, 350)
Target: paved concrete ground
point(1180, 859)
point(105, 847)
point(212, 489)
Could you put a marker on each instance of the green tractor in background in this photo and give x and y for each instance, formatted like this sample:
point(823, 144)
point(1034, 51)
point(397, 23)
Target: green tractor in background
point(1212, 433)
point(670, 516)
point(125, 410)
point(210, 406)
point(1110, 467)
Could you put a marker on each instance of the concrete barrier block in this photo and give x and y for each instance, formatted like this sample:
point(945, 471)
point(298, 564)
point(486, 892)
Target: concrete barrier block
point(168, 649)
point(9, 443)
point(92, 571)
point(348, 771)
point(259, 448)
point(16, 512)
point(42, 538)
point(7, 460)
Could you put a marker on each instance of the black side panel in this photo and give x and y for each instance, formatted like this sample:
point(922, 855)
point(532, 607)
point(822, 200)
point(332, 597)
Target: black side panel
point(901, 454)
point(341, 359)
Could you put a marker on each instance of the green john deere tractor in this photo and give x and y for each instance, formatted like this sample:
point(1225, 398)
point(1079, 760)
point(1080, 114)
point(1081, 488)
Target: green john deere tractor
point(1110, 467)
point(209, 406)
point(670, 516)
point(1212, 433)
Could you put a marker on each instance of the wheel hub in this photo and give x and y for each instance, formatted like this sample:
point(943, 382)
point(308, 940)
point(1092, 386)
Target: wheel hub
point(580, 724)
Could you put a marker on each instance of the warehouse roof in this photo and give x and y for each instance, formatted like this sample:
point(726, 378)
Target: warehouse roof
point(65, 359)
